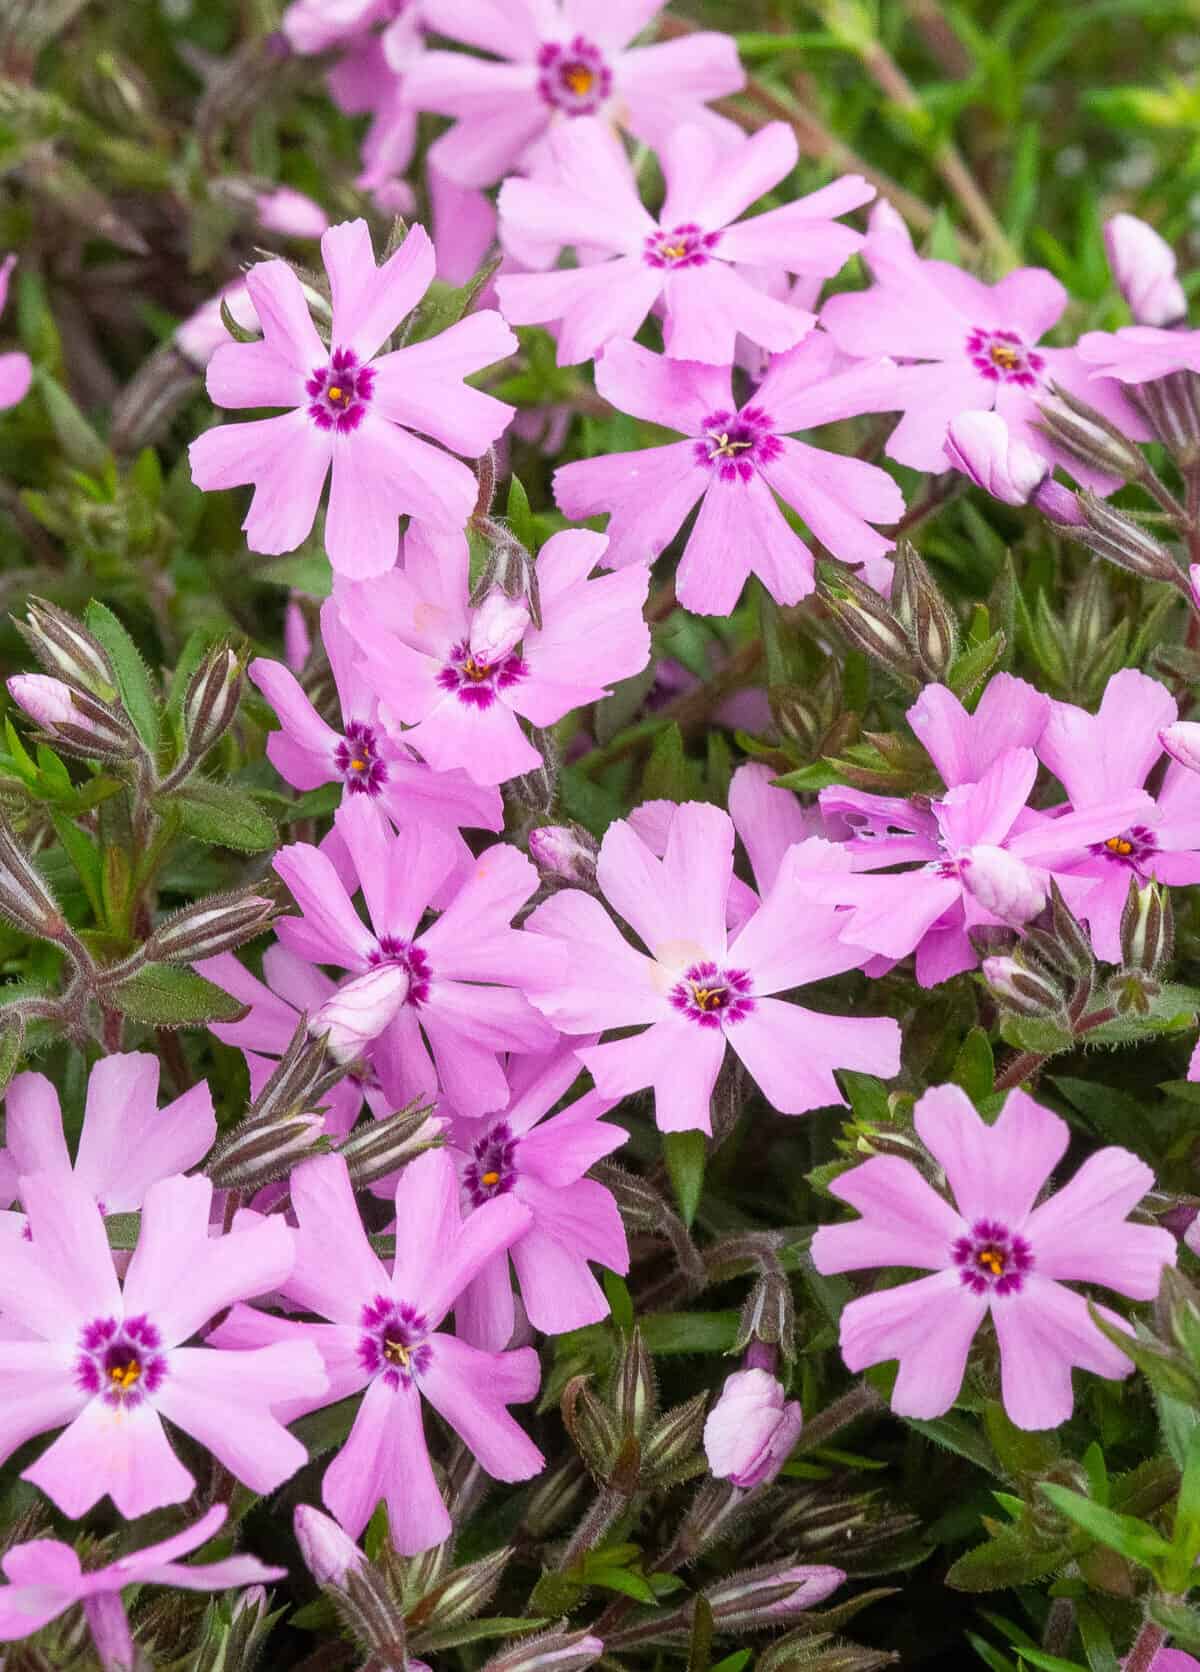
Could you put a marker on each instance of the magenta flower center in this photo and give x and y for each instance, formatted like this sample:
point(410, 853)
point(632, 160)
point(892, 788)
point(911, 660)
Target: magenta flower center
point(687, 245)
point(992, 1259)
point(712, 996)
point(736, 444)
point(119, 1361)
point(491, 1170)
point(1131, 848)
point(1002, 357)
point(340, 392)
point(477, 682)
point(392, 1343)
point(573, 76)
point(410, 957)
point(357, 759)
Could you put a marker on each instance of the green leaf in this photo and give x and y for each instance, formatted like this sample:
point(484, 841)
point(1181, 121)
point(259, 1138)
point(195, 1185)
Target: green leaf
point(689, 1332)
point(81, 446)
point(520, 517)
point(163, 996)
point(12, 1046)
point(974, 1068)
point(989, 1655)
point(970, 668)
point(320, 1431)
point(685, 1154)
point(734, 1662)
point(1007, 1560)
point(1135, 1540)
point(669, 774)
point(133, 677)
point(1097, 1644)
point(476, 1631)
point(85, 857)
point(1182, 1622)
point(622, 1580)
point(309, 572)
point(700, 1647)
point(819, 776)
point(620, 1304)
point(224, 816)
point(1050, 1663)
point(959, 1435)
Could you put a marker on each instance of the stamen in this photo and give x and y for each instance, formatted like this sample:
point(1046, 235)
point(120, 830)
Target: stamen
point(396, 1352)
point(337, 394)
point(124, 1376)
point(490, 1179)
point(1119, 845)
point(579, 79)
point(993, 1259)
point(1006, 358)
point(474, 669)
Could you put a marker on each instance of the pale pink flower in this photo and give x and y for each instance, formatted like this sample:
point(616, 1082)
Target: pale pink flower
point(750, 1431)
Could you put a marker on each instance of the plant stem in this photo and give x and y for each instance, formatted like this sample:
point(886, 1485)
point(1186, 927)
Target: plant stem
point(861, 1401)
point(1149, 1641)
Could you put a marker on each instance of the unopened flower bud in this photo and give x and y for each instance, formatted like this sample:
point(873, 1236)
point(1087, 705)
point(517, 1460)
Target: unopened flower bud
point(1021, 989)
point(257, 1153)
point(462, 1594)
point(77, 723)
point(538, 790)
point(297, 1081)
point(1087, 435)
point(1123, 540)
point(837, 1657)
point(556, 1497)
point(751, 1429)
point(1147, 929)
point(565, 852)
point(217, 924)
point(981, 445)
point(1143, 265)
point(24, 898)
point(1182, 743)
point(769, 1315)
point(671, 1447)
point(868, 623)
point(211, 702)
point(1003, 884)
point(290, 213)
point(380, 1149)
point(66, 648)
point(329, 1554)
point(635, 1387)
point(357, 1013)
point(592, 1425)
point(497, 626)
point(554, 1651)
point(770, 1595)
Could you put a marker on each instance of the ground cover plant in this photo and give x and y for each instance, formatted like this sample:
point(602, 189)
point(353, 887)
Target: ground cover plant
point(599, 836)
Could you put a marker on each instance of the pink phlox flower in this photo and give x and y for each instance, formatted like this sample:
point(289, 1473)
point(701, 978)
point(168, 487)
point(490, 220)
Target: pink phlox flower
point(314, 26)
point(554, 63)
point(127, 1143)
point(464, 231)
point(291, 988)
point(541, 1159)
point(974, 348)
point(688, 258)
point(698, 990)
point(1143, 264)
point(1010, 714)
point(438, 665)
point(16, 368)
point(993, 1252)
point(383, 1336)
point(1099, 758)
point(1136, 354)
point(45, 1578)
point(1174, 1660)
point(466, 969)
point(750, 1431)
point(290, 213)
point(734, 462)
point(360, 753)
point(353, 410)
point(107, 1365)
point(371, 77)
point(979, 855)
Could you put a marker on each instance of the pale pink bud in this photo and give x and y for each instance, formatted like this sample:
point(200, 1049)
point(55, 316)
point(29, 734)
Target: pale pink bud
point(746, 1600)
point(290, 213)
point(1143, 264)
point(980, 445)
point(203, 333)
point(329, 1553)
point(498, 625)
point(559, 851)
point(395, 197)
point(1003, 884)
point(46, 700)
point(358, 1012)
point(1182, 743)
point(751, 1429)
point(79, 724)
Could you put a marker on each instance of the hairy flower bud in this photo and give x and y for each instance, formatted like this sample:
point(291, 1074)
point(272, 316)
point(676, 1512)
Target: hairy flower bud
point(751, 1429)
point(769, 1314)
point(592, 1425)
point(296, 1082)
point(461, 1595)
point(211, 701)
point(257, 1153)
point(498, 626)
point(1147, 929)
point(672, 1445)
point(565, 852)
point(1182, 743)
point(553, 1651)
point(1003, 884)
point(1143, 265)
point(381, 1148)
point(1123, 540)
point(868, 623)
point(24, 898)
point(1087, 435)
point(329, 1554)
point(921, 609)
point(770, 1595)
point(635, 1387)
point(77, 723)
point(357, 1013)
point(65, 648)
point(1021, 989)
point(208, 927)
point(555, 1498)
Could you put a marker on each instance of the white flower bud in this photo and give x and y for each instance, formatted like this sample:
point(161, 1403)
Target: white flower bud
point(358, 1012)
point(1003, 884)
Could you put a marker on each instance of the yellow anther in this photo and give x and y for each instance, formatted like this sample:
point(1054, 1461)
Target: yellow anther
point(1119, 844)
point(490, 1179)
point(993, 1259)
point(336, 392)
point(579, 79)
point(125, 1376)
point(675, 252)
point(725, 449)
point(357, 765)
point(474, 669)
point(709, 998)
point(396, 1352)
point(1006, 358)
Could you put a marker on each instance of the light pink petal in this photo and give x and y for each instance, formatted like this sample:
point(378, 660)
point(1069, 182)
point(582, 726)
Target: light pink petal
point(470, 1390)
point(631, 879)
point(662, 85)
point(608, 300)
point(793, 239)
point(804, 387)
point(288, 330)
point(418, 386)
point(707, 308)
point(25, 1609)
point(1079, 1235)
point(255, 374)
point(697, 868)
point(33, 1126)
point(719, 555)
point(485, 1312)
point(677, 1057)
point(1096, 757)
point(486, 743)
point(123, 1453)
point(608, 983)
point(1011, 714)
point(679, 394)
point(561, 1149)
point(432, 1273)
point(386, 1456)
point(472, 940)
point(792, 1052)
point(557, 1286)
point(767, 944)
point(911, 317)
point(894, 912)
point(562, 210)
point(128, 1143)
point(904, 1221)
point(300, 721)
point(369, 302)
point(328, 914)
point(929, 1326)
point(836, 496)
point(38, 1390)
point(1044, 1331)
point(509, 28)
point(986, 812)
point(649, 493)
point(224, 1400)
point(713, 185)
point(1029, 300)
point(768, 820)
point(485, 145)
point(287, 458)
point(70, 1241)
point(581, 1216)
point(336, 1271)
point(16, 374)
point(466, 1026)
point(930, 397)
point(995, 1172)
